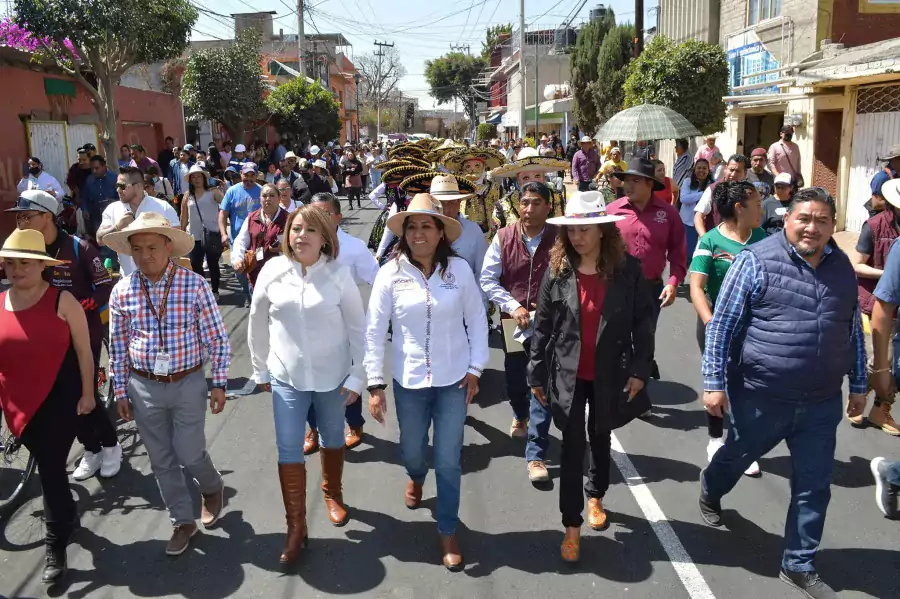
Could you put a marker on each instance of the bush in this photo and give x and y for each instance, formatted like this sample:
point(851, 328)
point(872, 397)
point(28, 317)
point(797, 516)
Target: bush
point(486, 132)
point(529, 141)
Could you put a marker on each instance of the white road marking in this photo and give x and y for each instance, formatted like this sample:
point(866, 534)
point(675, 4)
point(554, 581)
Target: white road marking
point(690, 576)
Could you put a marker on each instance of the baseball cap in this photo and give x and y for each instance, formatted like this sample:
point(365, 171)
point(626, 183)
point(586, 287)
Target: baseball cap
point(35, 199)
point(303, 163)
point(249, 167)
point(586, 139)
point(893, 152)
point(89, 147)
point(758, 152)
point(231, 169)
point(320, 163)
point(314, 150)
point(240, 148)
point(188, 147)
point(783, 179)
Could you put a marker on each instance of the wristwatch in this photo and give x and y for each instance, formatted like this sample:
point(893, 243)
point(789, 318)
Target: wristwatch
point(376, 387)
point(219, 387)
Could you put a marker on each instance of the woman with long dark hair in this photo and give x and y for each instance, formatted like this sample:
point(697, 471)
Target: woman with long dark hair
point(439, 348)
point(592, 348)
point(740, 207)
point(213, 160)
point(200, 217)
point(691, 191)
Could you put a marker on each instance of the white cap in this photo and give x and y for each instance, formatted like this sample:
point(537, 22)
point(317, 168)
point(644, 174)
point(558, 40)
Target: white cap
point(586, 139)
point(314, 150)
point(37, 200)
point(783, 179)
point(240, 148)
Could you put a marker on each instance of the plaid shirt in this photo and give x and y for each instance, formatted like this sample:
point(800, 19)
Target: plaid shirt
point(741, 286)
point(191, 319)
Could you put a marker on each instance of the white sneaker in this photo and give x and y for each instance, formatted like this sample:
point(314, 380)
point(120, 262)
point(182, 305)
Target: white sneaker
point(713, 446)
point(753, 470)
point(89, 465)
point(111, 461)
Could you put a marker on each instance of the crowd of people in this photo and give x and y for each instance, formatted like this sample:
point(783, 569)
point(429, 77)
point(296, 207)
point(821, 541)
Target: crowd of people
point(468, 236)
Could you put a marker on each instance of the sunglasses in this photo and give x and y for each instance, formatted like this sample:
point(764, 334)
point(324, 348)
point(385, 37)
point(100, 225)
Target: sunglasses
point(121, 186)
point(26, 204)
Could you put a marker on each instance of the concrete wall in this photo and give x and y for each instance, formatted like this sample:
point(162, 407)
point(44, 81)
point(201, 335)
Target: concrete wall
point(804, 21)
point(681, 20)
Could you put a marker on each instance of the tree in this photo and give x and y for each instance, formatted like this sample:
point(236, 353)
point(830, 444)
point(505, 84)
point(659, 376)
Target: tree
point(612, 70)
point(492, 38)
point(96, 41)
point(380, 79)
point(305, 110)
point(486, 132)
point(583, 69)
point(225, 84)
point(454, 76)
point(690, 78)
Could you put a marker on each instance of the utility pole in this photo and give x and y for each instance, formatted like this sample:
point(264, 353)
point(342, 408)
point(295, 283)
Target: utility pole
point(537, 118)
point(300, 36)
point(638, 27)
point(522, 82)
point(379, 53)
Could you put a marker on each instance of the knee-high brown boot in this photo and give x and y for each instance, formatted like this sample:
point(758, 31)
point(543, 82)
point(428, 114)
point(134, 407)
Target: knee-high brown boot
point(332, 470)
point(293, 492)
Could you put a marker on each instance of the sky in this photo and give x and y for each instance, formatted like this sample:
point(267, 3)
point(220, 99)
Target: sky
point(420, 30)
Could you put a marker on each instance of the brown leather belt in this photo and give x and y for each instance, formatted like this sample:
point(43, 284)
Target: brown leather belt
point(168, 378)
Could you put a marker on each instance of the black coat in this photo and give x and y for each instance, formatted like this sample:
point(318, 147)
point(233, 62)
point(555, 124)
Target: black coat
point(624, 345)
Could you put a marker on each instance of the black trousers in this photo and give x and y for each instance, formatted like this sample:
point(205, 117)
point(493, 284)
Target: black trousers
point(715, 426)
point(354, 193)
point(212, 260)
point(574, 444)
point(95, 429)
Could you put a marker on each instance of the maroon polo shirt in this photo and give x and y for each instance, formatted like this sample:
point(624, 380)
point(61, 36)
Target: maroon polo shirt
point(653, 235)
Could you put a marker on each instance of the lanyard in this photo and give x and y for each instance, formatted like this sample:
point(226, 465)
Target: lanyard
point(160, 317)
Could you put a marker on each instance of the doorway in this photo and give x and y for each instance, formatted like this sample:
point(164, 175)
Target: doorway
point(761, 130)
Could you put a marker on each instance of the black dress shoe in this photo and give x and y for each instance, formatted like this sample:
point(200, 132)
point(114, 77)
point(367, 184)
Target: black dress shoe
point(711, 511)
point(55, 566)
point(808, 583)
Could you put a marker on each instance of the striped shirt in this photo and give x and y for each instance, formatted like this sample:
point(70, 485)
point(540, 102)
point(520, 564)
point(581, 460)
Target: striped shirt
point(192, 327)
point(741, 287)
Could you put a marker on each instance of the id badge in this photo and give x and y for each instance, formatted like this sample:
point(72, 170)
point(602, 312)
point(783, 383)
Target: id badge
point(259, 254)
point(162, 364)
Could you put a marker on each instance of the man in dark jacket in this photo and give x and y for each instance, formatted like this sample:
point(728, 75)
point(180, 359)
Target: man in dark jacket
point(83, 275)
point(782, 300)
point(510, 277)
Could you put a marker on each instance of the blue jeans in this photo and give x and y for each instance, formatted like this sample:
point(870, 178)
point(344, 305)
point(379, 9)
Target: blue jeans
point(690, 241)
point(525, 406)
point(244, 282)
point(353, 414)
point(290, 407)
point(809, 429)
point(893, 473)
point(444, 408)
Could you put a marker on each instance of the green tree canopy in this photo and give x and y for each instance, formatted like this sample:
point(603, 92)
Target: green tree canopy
point(305, 110)
point(108, 37)
point(615, 54)
point(225, 84)
point(492, 37)
point(583, 69)
point(690, 78)
point(453, 76)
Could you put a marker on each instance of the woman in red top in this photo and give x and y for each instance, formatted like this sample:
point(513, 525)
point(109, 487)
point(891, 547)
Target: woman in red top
point(670, 194)
point(46, 379)
point(592, 348)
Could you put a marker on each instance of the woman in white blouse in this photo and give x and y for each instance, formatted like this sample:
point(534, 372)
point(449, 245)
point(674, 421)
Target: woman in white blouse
point(200, 218)
point(439, 348)
point(306, 338)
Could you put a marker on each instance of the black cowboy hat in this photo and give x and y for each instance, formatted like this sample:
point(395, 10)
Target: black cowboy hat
point(641, 167)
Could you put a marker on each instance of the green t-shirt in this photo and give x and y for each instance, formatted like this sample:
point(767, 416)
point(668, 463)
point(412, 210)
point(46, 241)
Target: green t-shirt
point(714, 255)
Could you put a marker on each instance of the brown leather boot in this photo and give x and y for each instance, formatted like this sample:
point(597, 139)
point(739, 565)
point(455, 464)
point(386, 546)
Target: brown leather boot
point(450, 554)
point(332, 470)
point(311, 442)
point(353, 437)
point(293, 492)
point(880, 417)
point(413, 495)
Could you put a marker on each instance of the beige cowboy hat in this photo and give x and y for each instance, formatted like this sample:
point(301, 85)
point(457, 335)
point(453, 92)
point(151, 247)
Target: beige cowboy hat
point(891, 192)
point(424, 203)
point(150, 222)
point(198, 169)
point(585, 208)
point(446, 188)
point(27, 244)
point(529, 160)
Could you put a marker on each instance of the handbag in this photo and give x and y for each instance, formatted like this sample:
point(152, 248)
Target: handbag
point(211, 241)
point(798, 178)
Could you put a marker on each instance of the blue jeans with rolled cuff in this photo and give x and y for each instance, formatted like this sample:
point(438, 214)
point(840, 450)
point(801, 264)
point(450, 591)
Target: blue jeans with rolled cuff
point(290, 408)
point(444, 409)
point(758, 424)
point(353, 414)
point(525, 406)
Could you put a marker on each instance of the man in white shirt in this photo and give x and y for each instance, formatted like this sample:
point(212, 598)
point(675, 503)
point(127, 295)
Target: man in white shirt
point(132, 203)
point(736, 170)
point(38, 179)
point(354, 253)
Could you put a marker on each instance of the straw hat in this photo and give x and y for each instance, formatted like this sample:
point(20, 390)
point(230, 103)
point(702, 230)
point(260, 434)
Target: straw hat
point(423, 203)
point(446, 188)
point(150, 222)
point(421, 182)
point(529, 160)
point(585, 208)
point(28, 244)
point(406, 150)
point(198, 169)
point(398, 174)
point(389, 164)
point(891, 192)
point(489, 156)
point(320, 163)
point(290, 154)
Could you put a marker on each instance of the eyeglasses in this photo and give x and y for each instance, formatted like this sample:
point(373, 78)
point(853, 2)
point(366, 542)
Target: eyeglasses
point(121, 186)
point(22, 217)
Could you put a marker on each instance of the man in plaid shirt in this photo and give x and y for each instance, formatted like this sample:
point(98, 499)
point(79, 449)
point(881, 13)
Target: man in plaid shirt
point(163, 322)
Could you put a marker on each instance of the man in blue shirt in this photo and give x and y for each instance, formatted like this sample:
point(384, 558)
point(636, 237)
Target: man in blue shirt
point(98, 191)
point(239, 202)
point(785, 332)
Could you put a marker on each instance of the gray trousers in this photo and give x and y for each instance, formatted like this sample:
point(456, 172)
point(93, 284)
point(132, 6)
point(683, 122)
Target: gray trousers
point(170, 418)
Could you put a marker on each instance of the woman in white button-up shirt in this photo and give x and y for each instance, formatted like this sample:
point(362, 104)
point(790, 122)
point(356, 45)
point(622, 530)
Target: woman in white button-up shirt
point(306, 338)
point(439, 348)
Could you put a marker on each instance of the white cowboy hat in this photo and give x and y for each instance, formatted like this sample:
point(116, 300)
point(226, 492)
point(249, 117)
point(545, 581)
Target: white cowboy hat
point(446, 188)
point(320, 163)
point(585, 139)
point(27, 244)
point(585, 208)
point(150, 222)
point(423, 203)
point(891, 192)
point(529, 160)
point(290, 155)
point(198, 169)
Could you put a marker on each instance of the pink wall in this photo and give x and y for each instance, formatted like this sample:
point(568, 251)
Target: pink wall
point(159, 115)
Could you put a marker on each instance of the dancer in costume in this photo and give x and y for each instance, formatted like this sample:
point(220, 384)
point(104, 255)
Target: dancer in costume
point(529, 166)
point(382, 240)
point(474, 164)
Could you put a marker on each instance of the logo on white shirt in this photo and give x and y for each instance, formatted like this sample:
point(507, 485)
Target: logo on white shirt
point(449, 280)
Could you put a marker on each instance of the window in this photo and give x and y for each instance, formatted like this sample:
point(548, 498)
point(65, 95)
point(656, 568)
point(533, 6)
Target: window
point(761, 10)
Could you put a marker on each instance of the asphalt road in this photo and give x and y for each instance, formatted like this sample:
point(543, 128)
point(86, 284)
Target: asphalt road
point(656, 546)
